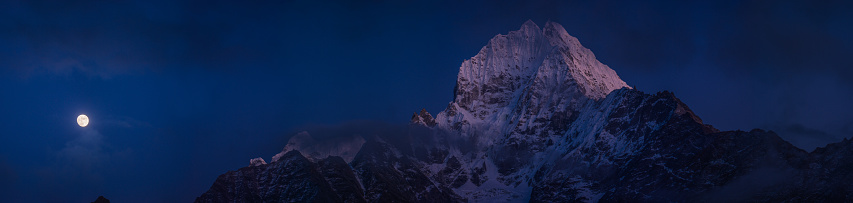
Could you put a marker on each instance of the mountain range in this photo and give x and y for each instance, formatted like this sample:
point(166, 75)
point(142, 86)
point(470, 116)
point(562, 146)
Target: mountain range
point(536, 117)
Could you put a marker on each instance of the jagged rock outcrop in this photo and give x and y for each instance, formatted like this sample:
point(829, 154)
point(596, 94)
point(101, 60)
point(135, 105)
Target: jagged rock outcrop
point(423, 118)
point(257, 162)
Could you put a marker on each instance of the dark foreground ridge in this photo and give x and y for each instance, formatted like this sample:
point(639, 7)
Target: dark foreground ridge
point(101, 199)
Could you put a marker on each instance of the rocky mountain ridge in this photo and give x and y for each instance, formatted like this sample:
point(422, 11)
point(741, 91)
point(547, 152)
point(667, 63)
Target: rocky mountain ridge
point(535, 117)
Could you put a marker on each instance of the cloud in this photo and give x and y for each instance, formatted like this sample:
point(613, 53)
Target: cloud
point(124, 121)
point(743, 187)
point(802, 136)
point(847, 130)
point(85, 152)
point(84, 168)
point(786, 38)
point(811, 132)
point(344, 145)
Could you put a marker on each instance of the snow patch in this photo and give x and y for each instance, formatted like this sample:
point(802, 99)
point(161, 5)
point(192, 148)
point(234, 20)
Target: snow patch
point(257, 161)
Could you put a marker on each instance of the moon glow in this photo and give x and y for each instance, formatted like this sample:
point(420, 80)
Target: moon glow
point(82, 120)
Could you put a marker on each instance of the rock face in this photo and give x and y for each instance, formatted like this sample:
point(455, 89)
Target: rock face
point(423, 118)
point(535, 117)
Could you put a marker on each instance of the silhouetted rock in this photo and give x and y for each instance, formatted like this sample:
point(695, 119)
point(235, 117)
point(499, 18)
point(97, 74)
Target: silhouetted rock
point(101, 199)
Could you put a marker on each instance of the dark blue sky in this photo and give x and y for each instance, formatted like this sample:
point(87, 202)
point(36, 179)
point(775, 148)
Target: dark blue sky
point(179, 93)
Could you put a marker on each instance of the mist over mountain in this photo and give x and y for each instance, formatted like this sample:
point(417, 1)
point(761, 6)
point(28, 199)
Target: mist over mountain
point(537, 118)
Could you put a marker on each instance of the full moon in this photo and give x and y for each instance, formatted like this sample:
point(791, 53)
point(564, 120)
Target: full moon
point(82, 120)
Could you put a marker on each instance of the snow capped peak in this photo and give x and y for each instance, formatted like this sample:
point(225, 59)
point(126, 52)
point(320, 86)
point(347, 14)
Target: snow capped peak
point(529, 27)
point(558, 35)
point(517, 73)
point(537, 118)
point(514, 61)
point(596, 79)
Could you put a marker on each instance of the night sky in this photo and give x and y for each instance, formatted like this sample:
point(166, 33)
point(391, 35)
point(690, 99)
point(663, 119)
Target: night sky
point(179, 93)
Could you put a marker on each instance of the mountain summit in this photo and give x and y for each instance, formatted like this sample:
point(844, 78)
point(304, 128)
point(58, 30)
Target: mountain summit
point(526, 74)
point(535, 117)
point(531, 58)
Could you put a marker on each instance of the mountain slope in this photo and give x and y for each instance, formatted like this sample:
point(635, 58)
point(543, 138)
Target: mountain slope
point(535, 117)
